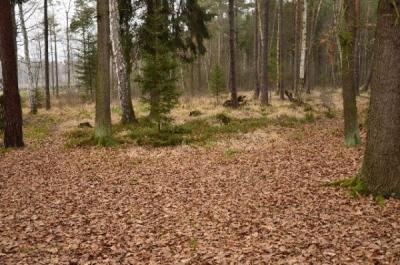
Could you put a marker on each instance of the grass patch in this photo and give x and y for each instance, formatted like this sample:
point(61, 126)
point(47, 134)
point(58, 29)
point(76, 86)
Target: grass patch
point(85, 137)
point(357, 188)
point(330, 114)
point(39, 127)
point(230, 153)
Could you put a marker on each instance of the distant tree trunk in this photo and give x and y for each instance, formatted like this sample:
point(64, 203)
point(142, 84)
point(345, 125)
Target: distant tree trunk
point(297, 44)
point(303, 51)
point(103, 113)
point(265, 88)
point(381, 169)
point(357, 18)
point(281, 49)
point(348, 42)
point(68, 54)
point(53, 88)
point(256, 54)
point(31, 81)
point(232, 52)
point(46, 55)
point(56, 59)
point(124, 93)
point(13, 136)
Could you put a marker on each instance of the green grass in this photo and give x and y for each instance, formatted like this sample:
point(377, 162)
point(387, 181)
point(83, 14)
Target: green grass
point(39, 127)
point(85, 137)
point(200, 131)
point(357, 188)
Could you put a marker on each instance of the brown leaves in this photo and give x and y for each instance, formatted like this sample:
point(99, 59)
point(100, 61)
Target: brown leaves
point(189, 205)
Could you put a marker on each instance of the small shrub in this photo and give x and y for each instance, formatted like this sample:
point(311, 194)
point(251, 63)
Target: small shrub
point(195, 113)
point(308, 108)
point(223, 118)
point(330, 114)
point(309, 118)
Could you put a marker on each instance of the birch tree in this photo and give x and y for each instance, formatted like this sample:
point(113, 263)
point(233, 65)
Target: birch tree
point(27, 59)
point(124, 93)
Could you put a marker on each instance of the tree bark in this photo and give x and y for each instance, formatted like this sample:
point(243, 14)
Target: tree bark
point(13, 136)
point(348, 42)
point(256, 54)
point(381, 168)
point(103, 113)
point(232, 52)
point(46, 56)
point(281, 49)
point(56, 58)
point(31, 81)
point(124, 93)
point(265, 86)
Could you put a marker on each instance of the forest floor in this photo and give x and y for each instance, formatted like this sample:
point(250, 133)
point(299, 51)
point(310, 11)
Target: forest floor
point(249, 198)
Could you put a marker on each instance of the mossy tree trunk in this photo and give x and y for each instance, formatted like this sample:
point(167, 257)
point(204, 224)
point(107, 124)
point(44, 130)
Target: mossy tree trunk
point(347, 37)
point(13, 136)
point(381, 168)
point(103, 113)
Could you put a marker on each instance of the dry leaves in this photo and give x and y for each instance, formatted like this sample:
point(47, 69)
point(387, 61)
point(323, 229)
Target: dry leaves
point(191, 205)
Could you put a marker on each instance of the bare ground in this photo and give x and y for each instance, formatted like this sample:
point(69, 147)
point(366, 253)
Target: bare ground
point(265, 203)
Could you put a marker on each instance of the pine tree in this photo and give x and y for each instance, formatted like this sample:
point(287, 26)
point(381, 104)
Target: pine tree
point(217, 82)
point(158, 80)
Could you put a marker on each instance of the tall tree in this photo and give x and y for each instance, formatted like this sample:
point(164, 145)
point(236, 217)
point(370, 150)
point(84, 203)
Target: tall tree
point(265, 51)
point(13, 136)
point(256, 53)
point(348, 42)
point(46, 54)
point(232, 55)
point(31, 81)
point(120, 28)
point(381, 168)
point(280, 49)
point(103, 112)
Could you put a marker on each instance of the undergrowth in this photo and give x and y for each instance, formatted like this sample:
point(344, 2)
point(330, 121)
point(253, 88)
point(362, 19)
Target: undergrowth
point(357, 188)
point(200, 131)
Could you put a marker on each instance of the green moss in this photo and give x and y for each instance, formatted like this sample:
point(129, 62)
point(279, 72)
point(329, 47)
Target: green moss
point(86, 137)
point(358, 187)
point(353, 139)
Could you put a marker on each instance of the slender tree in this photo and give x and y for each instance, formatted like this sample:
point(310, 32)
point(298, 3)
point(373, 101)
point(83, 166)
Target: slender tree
point(265, 86)
point(348, 42)
point(127, 113)
point(256, 53)
point(13, 136)
point(232, 55)
point(31, 81)
point(103, 112)
point(381, 168)
point(280, 49)
point(46, 54)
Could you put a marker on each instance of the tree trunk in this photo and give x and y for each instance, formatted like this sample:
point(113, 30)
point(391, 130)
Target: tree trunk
point(13, 136)
point(31, 81)
point(56, 59)
point(281, 49)
point(68, 54)
point(381, 168)
point(265, 87)
point(256, 54)
point(348, 42)
point(357, 47)
point(232, 52)
point(46, 56)
point(103, 113)
point(303, 51)
point(124, 93)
